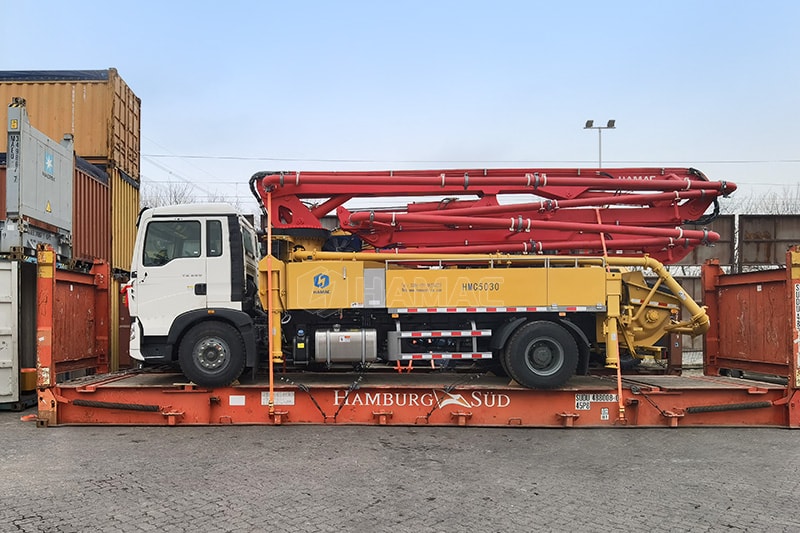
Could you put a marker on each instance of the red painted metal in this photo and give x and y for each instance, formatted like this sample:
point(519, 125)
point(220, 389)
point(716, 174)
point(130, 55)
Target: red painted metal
point(419, 399)
point(564, 210)
point(72, 315)
point(754, 319)
point(755, 325)
point(45, 295)
point(739, 339)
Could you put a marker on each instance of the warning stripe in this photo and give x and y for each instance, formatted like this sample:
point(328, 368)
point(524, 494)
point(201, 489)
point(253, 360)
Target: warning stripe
point(445, 355)
point(554, 309)
point(664, 305)
point(464, 333)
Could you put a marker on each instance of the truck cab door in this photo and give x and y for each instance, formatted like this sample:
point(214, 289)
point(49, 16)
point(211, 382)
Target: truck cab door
point(223, 278)
point(170, 273)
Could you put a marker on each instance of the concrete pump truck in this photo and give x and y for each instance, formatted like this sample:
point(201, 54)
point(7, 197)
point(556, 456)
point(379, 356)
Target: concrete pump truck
point(538, 274)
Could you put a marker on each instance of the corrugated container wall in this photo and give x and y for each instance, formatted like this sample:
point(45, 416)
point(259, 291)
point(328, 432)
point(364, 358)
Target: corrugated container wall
point(96, 106)
point(124, 211)
point(91, 219)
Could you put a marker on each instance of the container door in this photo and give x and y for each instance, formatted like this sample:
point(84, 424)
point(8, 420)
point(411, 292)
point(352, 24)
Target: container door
point(9, 323)
point(170, 274)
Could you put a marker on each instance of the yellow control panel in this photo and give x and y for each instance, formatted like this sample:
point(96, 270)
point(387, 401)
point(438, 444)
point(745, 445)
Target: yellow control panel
point(325, 285)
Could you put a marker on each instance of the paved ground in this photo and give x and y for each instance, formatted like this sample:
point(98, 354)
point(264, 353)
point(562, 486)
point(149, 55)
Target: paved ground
point(372, 479)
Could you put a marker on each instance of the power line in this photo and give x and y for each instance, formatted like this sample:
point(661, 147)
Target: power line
point(479, 161)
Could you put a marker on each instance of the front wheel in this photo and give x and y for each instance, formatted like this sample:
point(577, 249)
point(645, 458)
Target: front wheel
point(541, 355)
point(211, 354)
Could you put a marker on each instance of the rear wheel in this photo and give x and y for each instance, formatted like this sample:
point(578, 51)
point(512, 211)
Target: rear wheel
point(541, 355)
point(211, 354)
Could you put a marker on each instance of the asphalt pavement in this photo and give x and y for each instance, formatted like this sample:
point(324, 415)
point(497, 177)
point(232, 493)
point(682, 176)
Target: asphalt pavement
point(395, 479)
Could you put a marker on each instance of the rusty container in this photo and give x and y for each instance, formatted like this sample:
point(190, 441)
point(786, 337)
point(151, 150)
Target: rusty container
point(72, 320)
point(96, 106)
point(91, 218)
point(754, 320)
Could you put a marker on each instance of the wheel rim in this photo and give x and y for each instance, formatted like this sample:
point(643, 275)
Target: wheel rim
point(544, 356)
point(212, 353)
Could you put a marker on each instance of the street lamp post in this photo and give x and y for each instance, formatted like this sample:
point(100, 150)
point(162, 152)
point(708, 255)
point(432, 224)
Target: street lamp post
point(590, 126)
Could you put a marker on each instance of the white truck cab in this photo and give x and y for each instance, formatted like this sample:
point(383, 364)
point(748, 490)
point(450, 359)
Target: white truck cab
point(192, 291)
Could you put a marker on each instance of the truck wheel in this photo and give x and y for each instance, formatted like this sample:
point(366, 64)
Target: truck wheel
point(541, 355)
point(211, 354)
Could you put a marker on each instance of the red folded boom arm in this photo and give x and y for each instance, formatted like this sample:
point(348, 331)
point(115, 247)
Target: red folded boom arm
point(622, 211)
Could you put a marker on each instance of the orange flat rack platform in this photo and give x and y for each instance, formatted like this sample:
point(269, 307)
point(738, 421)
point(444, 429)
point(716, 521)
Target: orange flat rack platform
point(435, 399)
point(754, 332)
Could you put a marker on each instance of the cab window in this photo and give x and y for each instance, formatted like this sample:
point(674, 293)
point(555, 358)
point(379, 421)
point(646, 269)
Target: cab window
point(248, 237)
point(168, 240)
point(214, 233)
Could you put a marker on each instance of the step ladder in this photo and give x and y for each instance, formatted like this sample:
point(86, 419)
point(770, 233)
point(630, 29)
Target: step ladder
point(395, 341)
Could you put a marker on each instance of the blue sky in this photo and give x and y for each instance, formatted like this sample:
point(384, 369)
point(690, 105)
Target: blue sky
point(247, 86)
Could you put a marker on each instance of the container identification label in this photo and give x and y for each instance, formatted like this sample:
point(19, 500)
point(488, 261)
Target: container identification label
point(281, 398)
point(797, 307)
point(797, 329)
point(583, 401)
point(236, 400)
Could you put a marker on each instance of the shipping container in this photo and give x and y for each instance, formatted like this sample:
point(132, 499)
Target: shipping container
point(91, 221)
point(96, 106)
point(72, 320)
point(754, 320)
point(78, 314)
point(764, 239)
point(91, 205)
point(39, 175)
point(124, 211)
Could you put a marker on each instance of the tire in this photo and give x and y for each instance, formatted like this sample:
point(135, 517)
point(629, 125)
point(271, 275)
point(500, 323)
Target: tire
point(541, 355)
point(211, 354)
point(496, 365)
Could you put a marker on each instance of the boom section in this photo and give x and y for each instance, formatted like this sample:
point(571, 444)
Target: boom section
point(624, 211)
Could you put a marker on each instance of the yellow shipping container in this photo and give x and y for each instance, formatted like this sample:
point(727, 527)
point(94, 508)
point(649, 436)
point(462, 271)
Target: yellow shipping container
point(96, 106)
point(124, 210)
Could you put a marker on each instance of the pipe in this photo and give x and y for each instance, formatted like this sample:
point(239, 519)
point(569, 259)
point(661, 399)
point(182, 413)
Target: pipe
point(519, 224)
point(270, 340)
point(533, 246)
point(612, 359)
point(699, 322)
point(610, 199)
point(521, 183)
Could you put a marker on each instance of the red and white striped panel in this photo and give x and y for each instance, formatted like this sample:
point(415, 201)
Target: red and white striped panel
point(445, 355)
point(663, 305)
point(427, 334)
point(560, 309)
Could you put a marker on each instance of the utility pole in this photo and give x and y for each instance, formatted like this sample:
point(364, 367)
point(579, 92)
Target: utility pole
point(590, 126)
